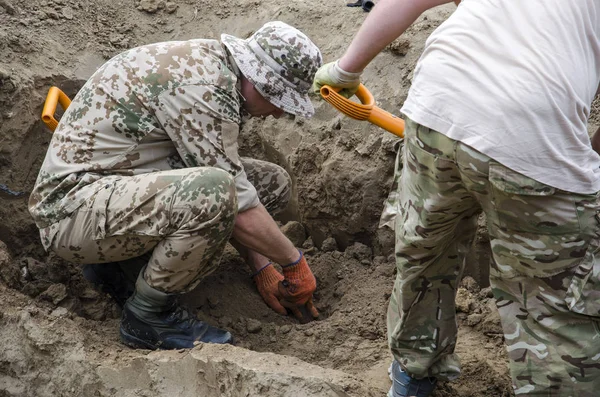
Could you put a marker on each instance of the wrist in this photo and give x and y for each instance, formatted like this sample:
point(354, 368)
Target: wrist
point(301, 255)
point(262, 269)
point(347, 70)
point(267, 275)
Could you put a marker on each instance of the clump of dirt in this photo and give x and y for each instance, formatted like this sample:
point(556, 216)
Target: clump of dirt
point(57, 331)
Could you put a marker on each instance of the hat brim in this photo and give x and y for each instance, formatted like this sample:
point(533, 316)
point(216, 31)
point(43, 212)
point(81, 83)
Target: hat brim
point(272, 86)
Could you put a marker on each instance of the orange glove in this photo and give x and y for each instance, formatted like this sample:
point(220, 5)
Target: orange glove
point(296, 290)
point(267, 281)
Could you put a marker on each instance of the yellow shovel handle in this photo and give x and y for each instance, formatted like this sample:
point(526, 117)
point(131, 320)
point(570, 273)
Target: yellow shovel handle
point(54, 97)
point(366, 110)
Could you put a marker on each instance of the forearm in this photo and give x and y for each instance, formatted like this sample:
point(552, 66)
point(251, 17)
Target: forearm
point(596, 141)
point(255, 260)
point(257, 231)
point(388, 20)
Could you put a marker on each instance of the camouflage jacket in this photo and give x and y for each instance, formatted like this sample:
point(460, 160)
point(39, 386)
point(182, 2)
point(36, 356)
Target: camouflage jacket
point(156, 107)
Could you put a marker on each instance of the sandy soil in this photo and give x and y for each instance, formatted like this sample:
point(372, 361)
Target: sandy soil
point(342, 171)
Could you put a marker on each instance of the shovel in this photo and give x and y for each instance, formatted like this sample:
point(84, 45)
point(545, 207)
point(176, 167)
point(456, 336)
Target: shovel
point(365, 110)
point(55, 96)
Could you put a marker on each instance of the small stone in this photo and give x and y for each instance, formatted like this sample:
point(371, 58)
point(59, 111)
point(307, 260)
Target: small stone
point(295, 232)
point(474, 319)
point(308, 244)
point(359, 251)
point(253, 326)
point(171, 7)
point(67, 13)
point(309, 332)
point(284, 329)
point(150, 6)
point(399, 46)
point(464, 301)
point(37, 270)
point(89, 293)
point(365, 262)
point(470, 284)
point(55, 293)
point(53, 14)
point(213, 302)
point(329, 244)
point(378, 260)
point(115, 38)
point(59, 312)
point(487, 292)
point(226, 321)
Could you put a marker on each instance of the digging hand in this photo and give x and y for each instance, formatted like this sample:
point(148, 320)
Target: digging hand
point(296, 290)
point(267, 282)
point(332, 75)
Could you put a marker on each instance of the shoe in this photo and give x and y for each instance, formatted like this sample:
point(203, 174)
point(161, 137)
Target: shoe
point(152, 320)
point(403, 385)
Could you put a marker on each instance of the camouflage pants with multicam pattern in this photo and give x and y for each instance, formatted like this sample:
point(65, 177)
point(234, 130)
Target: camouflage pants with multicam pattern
point(183, 217)
point(544, 276)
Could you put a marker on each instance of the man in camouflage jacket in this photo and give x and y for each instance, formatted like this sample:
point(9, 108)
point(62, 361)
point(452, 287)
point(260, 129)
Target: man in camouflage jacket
point(145, 162)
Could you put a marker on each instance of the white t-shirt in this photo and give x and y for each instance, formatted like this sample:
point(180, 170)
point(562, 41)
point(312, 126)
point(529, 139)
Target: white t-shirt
point(515, 79)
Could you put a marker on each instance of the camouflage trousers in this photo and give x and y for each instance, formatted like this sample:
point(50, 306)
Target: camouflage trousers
point(544, 273)
point(183, 217)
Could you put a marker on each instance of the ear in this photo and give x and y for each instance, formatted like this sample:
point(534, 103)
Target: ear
point(248, 89)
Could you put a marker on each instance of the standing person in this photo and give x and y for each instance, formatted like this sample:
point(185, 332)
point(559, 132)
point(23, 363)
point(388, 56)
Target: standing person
point(145, 162)
point(496, 122)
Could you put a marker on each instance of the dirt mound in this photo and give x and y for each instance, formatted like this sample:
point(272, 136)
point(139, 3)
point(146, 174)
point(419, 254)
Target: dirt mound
point(59, 335)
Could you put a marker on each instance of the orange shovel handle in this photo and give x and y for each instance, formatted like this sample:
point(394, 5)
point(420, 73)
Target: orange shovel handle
point(366, 110)
point(54, 97)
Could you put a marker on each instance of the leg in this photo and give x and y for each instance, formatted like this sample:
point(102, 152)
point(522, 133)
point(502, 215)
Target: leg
point(183, 216)
point(545, 279)
point(435, 208)
point(272, 183)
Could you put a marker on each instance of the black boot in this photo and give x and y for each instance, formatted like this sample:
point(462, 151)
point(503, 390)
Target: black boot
point(153, 320)
point(116, 278)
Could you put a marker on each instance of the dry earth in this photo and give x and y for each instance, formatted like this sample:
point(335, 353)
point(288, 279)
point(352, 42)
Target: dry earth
point(58, 336)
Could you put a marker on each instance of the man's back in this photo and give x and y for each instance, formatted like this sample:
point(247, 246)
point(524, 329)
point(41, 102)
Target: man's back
point(112, 126)
point(515, 80)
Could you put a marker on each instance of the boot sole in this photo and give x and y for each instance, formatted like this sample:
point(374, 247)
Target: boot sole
point(133, 342)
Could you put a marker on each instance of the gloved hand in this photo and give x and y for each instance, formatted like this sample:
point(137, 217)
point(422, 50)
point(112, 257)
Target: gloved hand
point(267, 282)
point(296, 290)
point(331, 74)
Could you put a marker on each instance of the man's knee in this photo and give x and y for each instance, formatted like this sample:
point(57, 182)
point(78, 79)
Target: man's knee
point(279, 192)
point(210, 191)
point(285, 189)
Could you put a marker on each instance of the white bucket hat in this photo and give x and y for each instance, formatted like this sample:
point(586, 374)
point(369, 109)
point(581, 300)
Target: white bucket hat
point(281, 62)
